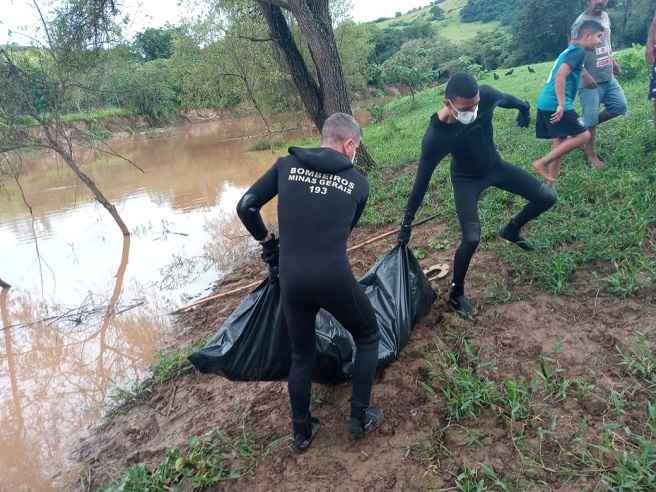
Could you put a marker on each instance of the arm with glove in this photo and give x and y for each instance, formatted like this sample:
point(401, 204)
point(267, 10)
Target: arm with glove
point(248, 210)
point(508, 101)
point(433, 150)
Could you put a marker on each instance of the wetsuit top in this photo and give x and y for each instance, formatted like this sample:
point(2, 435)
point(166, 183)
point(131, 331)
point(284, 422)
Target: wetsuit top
point(472, 146)
point(321, 198)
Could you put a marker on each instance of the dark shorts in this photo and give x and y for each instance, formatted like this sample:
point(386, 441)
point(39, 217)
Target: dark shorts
point(568, 126)
point(652, 85)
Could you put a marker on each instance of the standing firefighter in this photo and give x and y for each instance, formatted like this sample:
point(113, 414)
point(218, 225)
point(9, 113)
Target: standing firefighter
point(320, 199)
point(463, 128)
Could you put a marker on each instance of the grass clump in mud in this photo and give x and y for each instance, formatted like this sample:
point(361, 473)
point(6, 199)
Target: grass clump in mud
point(545, 438)
point(479, 480)
point(168, 366)
point(638, 359)
point(204, 463)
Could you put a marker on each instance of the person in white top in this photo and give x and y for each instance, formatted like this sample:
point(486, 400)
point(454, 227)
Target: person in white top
point(599, 85)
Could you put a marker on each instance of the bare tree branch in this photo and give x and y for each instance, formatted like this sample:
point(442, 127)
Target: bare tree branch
point(110, 152)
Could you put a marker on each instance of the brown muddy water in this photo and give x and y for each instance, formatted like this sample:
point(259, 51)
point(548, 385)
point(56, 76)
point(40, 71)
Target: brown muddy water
point(87, 311)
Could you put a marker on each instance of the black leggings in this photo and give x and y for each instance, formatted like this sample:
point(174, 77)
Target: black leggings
point(335, 289)
point(467, 192)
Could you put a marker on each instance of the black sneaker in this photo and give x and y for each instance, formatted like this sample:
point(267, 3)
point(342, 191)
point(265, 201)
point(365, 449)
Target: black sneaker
point(302, 442)
point(373, 418)
point(461, 305)
point(510, 234)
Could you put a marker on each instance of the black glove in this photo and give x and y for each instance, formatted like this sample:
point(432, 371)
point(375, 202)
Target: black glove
point(524, 116)
point(270, 255)
point(404, 234)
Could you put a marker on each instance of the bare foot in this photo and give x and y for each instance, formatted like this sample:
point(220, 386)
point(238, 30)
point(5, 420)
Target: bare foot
point(595, 162)
point(543, 170)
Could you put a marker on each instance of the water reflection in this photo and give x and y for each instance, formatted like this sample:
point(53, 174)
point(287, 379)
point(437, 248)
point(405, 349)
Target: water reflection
point(103, 316)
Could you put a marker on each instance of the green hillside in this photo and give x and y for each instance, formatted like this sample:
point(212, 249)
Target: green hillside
point(450, 27)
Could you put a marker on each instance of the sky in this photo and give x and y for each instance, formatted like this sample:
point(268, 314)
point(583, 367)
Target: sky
point(20, 17)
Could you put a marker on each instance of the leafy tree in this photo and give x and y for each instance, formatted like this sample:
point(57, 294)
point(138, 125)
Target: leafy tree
point(74, 36)
point(436, 13)
point(490, 50)
point(153, 44)
point(490, 10)
point(631, 20)
point(542, 29)
point(389, 40)
point(418, 63)
point(354, 49)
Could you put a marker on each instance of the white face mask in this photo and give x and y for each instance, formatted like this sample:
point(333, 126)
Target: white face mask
point(353, 158)
point(466, 117)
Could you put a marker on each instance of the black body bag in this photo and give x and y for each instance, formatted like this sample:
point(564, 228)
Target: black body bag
point(253, 345)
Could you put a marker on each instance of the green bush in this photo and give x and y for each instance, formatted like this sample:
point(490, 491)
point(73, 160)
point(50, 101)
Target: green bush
point(632, 62)
point(149, 90)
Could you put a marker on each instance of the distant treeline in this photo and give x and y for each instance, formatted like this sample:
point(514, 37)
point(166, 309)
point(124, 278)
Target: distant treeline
point(172, 69)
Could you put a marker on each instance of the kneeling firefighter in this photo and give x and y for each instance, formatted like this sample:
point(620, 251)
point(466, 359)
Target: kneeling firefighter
point(321, 197)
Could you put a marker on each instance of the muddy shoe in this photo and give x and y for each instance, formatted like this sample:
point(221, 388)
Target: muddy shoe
point(461, 305)
point(510, 234)
point(302, 441)
point(373, 418)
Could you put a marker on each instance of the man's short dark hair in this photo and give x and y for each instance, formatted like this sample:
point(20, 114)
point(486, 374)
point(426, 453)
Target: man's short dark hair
point(461, 84)
point(587, 26)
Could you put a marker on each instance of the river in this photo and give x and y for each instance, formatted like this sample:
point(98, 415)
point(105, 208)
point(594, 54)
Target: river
point(87, 310)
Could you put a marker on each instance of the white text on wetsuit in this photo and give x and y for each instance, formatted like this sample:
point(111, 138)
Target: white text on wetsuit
point(320, 183)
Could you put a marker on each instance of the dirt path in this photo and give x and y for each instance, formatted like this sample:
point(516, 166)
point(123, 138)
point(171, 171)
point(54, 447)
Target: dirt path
point(519, 333)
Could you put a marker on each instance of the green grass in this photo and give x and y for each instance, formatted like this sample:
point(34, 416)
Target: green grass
point(622, 456)
point(450, 27)
point(167, 367)
point(603, 219)
point(204, 463)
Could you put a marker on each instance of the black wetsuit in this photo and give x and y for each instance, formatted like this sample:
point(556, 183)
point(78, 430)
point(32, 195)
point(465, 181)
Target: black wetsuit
point(320, 199)
point(476, 165)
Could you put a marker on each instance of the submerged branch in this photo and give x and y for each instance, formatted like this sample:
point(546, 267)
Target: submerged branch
point(34, 234)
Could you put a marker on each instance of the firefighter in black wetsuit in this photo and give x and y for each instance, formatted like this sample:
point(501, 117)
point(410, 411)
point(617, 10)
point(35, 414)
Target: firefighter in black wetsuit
point(320, 199)
point(463, 128)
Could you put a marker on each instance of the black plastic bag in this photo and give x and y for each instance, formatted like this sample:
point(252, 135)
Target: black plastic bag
point(253, 345)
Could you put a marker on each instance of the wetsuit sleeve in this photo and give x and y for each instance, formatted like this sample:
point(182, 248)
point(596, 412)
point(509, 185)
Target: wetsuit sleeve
point(494, 97)
point(433, 149)
point(258, 195)
point(358, 212)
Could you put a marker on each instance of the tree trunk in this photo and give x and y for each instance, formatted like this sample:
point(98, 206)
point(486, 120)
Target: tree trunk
point(329, 94)
point(303, 80)
point(316, 27)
